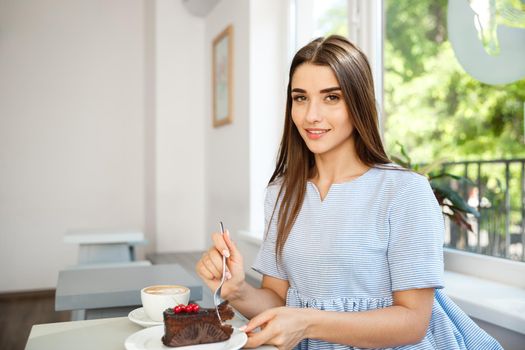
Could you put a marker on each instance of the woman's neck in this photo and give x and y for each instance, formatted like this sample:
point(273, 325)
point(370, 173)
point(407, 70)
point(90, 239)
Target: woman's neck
point(339, 165)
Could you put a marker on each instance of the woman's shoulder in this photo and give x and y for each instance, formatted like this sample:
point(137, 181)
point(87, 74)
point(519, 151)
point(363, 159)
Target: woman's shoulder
point(397, 187)
point(396, 178)
point(275, 185)
point(273, 189)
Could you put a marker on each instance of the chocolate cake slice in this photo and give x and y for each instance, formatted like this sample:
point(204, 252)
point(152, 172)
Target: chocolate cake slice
point(196, 327)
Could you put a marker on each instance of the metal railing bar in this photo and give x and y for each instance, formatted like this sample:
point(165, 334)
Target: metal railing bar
point(517, 160)
point(478, 230)
point(522, 211)
point(464, 189)
point(492, 216)
point(507, 210)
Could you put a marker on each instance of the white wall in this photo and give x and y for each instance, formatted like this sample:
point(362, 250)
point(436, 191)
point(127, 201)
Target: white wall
point(101, 126)
point(240, 157)
point(268, 78)
point(180, 88)
point(227, 177)
point(105, 122)
point(71, 129)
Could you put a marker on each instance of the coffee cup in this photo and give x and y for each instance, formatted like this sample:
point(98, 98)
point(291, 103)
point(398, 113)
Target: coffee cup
point(156, 299)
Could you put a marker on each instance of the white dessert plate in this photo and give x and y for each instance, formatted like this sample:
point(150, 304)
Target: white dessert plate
point(150, 339)
point(140, 317)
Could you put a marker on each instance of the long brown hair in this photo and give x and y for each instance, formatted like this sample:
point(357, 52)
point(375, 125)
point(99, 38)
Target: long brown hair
point(295, 162)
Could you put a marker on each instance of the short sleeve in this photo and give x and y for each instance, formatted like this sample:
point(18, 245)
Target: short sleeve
point(265, 262)
point(415, 247)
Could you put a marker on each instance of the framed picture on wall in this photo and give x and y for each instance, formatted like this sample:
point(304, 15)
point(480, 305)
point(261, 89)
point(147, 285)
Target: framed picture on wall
point(222, 76)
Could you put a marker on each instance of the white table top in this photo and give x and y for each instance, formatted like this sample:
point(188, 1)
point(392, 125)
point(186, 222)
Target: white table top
point(117, 286)
point(106, 333)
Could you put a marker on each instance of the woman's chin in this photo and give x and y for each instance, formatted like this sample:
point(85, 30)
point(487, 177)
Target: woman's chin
point(317, 149)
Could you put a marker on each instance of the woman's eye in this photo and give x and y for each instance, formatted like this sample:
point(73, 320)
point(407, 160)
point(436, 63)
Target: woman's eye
point(332, 98)
point(299, 98)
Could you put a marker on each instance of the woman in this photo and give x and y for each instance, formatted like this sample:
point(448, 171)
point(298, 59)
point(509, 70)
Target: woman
point(352, 256)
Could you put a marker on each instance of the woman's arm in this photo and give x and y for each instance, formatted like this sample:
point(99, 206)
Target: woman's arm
point(250, 301)
point(405, 322)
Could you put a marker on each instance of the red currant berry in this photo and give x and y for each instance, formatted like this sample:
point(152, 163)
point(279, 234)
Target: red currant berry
point(196, 308)
point(177, 309)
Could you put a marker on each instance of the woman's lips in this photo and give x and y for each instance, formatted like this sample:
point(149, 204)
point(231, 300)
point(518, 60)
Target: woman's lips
point(315, 134)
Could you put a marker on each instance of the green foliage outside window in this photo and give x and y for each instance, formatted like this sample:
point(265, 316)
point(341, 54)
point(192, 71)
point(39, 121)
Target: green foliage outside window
point(432, 106)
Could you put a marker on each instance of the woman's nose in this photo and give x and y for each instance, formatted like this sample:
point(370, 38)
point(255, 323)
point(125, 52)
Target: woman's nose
point(313, 113)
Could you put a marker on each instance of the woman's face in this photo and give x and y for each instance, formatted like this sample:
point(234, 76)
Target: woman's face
point(318, 109)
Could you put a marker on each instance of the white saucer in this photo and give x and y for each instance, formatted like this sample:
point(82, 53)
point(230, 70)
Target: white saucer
point(150, 339)
point(139, 317)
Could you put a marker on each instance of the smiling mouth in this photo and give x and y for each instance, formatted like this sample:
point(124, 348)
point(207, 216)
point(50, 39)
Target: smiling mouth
point(316, 133)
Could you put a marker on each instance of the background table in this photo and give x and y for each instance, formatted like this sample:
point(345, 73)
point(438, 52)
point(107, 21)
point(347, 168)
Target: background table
point(117, 288)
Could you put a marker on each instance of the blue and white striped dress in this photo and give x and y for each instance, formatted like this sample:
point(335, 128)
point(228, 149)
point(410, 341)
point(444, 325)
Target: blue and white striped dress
point(380, 233)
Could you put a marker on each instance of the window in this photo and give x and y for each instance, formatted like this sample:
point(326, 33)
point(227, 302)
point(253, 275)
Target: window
point(454, 109)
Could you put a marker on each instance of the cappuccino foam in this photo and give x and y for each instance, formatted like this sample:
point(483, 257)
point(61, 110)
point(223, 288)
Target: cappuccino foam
point(166, 290)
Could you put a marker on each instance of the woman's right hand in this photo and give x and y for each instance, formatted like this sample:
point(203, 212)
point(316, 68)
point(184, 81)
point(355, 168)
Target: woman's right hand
point(209, 267)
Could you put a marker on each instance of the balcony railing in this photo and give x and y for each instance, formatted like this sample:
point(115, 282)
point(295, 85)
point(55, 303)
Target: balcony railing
point(497, 191)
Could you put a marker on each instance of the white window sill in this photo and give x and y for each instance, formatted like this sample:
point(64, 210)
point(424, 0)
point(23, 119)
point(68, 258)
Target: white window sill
point(495, 302)
point(489, 301)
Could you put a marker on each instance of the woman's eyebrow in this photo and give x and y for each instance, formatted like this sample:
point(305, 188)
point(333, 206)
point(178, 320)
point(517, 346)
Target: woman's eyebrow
point(335, 88)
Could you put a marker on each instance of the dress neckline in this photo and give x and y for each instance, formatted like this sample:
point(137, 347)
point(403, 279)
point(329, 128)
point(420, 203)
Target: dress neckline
point(338, 184)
